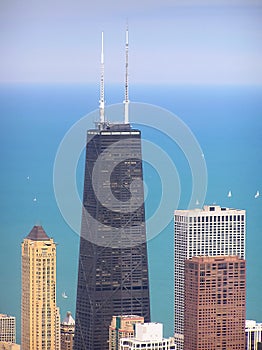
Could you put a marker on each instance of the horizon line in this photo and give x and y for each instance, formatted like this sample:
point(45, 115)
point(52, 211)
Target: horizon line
point(153, 84)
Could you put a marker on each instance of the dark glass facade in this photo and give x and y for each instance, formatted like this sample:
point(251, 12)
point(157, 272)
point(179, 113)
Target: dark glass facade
point(113, 267)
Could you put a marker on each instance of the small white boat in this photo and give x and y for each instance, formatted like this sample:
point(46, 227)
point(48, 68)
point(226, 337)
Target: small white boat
point(229, 194)
point(64, 295)
point(257, 194)
point(35, 199)
point(197, 202)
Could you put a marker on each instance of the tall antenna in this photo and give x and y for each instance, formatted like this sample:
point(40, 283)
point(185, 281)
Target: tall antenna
point(126, 101)
point(102, 86)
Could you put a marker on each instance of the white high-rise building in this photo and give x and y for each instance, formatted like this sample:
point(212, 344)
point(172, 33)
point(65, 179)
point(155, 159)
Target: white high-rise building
point(148, 336)
point(210, 231)
point(7, 328)
point(253, 332)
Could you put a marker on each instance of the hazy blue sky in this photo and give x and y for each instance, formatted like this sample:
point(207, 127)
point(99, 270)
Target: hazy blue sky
point(190, 41)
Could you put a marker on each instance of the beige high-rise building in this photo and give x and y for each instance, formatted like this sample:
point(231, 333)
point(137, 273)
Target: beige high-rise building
point(67, 332)
point(40, 316)
point(7, 328)
point(9, 346)
point(122, 327)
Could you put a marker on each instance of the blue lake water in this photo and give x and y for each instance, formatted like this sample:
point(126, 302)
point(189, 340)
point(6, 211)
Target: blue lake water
point(226, 121)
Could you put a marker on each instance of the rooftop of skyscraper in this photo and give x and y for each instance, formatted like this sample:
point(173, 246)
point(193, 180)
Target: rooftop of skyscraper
point(208, 209)
point(6, 316)
point(38, 234)
point(68, 320)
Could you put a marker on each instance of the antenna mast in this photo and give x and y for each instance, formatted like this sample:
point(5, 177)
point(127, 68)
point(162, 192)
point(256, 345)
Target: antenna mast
point(126, 101)
point(102, 86)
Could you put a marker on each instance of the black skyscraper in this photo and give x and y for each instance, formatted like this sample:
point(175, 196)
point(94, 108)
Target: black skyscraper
point(113, 267)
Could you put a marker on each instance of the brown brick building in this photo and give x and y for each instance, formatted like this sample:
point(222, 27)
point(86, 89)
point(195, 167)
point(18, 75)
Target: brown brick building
point(215, 291)
point(122, 327)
